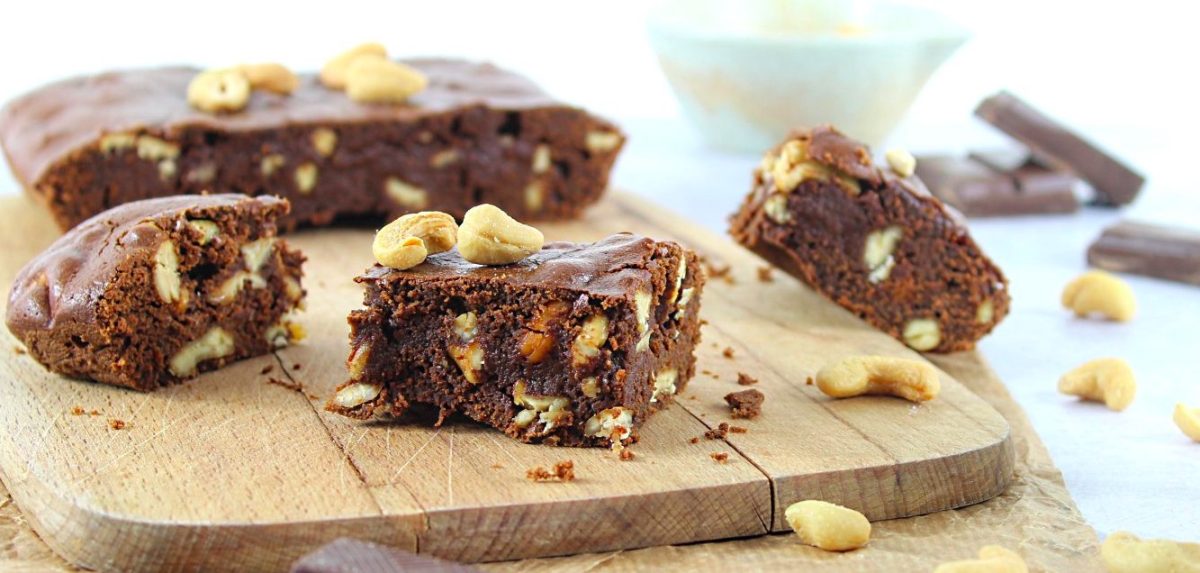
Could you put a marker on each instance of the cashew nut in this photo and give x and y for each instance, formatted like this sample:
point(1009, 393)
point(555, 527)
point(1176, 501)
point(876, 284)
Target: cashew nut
point(379, 80)
point(1123, 552)
point(992, 559)
point(333, 75)
point(1188, 420)
point(1108, 380)
point(217, 91)
point(276, 78)
point(489, 236)
point(912, 380)
point(1100, 293)
point(405, 242)
point(828, 526)
point(901, 161)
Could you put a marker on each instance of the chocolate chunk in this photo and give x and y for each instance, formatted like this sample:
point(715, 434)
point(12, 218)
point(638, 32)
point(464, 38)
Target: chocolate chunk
point(576, 345)
point(159, 290)
point(887, 251)
point(1115, 183)
point(992, 185)
point(476, 134)
point(1165, 252)
point(352, 556)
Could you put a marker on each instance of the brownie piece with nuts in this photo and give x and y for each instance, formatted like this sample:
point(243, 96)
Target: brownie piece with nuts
point(158, 290)
point(475, 134)
point(575, 345)
point(872, 240)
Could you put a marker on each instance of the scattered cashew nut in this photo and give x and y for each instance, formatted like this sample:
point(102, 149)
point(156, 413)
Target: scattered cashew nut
point(912, 380)
point(992, 559)
point(828, 526)
point(379, 80)
point(488, 236)
point(1124, 552)
point(1100, 293)
point(333, 74)
point(272, 77)
point(1108, 380)
point(217, 91)
point(1188, 420)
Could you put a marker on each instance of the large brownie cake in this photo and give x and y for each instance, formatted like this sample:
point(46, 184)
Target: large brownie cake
point(575, 345)
point(871, 240)
point(159, 290)
point(476, 134)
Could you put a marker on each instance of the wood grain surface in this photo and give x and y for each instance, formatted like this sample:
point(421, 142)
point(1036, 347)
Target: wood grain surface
point(233, 470)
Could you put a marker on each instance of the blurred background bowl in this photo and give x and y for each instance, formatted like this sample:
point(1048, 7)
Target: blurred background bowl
point(747, 72)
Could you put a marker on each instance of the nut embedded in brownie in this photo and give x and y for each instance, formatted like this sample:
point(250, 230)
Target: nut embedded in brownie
point(873, 241)
point(475, 134)
point(156, 291)
point(574, 345)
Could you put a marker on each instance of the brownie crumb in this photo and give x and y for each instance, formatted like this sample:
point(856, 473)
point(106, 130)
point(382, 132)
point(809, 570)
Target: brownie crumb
point(694, 441)
point(720, 457)
point(626, 455)
point(497, 466)
point(737, 429)
point(563, 471)
point(718, 433)
point(77, 411)
point(808, 381)
point(765, 275)
point(18, 350)
point(727, 353)
point(296, 366)
point(717, 270)
point(116, 424)
point(94, 413)
point(745, 404)
point(285, 383)
point(266, 369)
point(746, 379)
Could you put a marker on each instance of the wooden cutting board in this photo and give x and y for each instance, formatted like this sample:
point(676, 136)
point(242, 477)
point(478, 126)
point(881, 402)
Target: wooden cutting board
point(235, 471)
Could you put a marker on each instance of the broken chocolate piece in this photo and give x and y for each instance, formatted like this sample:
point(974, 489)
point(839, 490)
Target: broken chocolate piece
point(1165, 252)
point(990, 185)
point(352, 556)
point(1115, 183)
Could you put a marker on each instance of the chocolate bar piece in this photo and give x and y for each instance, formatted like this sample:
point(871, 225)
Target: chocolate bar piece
point(476, 134)
point(1171, 253)
point(352, 556)
point(1115, 183)
point(871, 240)
point(576, 345)
point(995, 185)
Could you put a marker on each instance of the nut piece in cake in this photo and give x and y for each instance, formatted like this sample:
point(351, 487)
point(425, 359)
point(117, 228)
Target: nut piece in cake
point(545, 350)
point(873, 240)
point(159, 290)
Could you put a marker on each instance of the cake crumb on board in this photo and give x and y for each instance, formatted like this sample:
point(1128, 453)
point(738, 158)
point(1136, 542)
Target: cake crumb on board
point(746, 379)
point(116, 424)
point(720, 457)
point(745, 404)
point(727, 352)
point(563, 471)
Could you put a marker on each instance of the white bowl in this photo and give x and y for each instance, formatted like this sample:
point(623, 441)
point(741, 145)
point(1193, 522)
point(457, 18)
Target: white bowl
point(746, 72)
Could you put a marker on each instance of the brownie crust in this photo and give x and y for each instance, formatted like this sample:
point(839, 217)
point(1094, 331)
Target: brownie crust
point(476, 134)
point(872, 241)
point(156, 291)
point(576, 345)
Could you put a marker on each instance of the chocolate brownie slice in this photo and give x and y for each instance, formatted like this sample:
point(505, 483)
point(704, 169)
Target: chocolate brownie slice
point(871, 240)
point(476, 134)
point(159, 290)
point(575, 345)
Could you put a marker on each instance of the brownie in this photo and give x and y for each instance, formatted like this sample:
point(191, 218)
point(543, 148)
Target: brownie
point(476, 134)
point(158, 290)
point(874, 242)
point(745, 404)
point(576, 345)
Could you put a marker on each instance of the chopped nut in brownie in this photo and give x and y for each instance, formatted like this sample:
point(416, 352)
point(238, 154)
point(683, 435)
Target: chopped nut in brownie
point(745, 404)
point(720, 457)
point(746, 380)
point(765, 276)
point(116, 424)
point(563, 471)
point(727, 353)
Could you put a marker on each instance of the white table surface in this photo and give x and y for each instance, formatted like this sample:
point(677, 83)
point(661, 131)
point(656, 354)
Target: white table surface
point(1132, 470)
